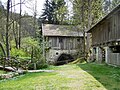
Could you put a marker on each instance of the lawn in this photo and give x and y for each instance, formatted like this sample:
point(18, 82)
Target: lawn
point(68, 77)
point(2, 72)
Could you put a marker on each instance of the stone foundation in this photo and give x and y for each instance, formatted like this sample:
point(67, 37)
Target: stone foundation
point(99, 55)
point(52, 55)
point(112, 58)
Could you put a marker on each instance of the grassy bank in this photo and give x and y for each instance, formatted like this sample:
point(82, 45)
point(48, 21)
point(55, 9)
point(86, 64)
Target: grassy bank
point(68, 77)
point(2, 72)
point(108, 76)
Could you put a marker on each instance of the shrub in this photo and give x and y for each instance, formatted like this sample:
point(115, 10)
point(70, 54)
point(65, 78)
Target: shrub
point(31, 50)
point(18, 52)
point(40, 64)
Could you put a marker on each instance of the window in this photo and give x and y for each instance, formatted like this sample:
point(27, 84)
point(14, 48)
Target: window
point(60, 40)
point(54, 42)
point(50, 43)
point(78, 39)
point(61, 43)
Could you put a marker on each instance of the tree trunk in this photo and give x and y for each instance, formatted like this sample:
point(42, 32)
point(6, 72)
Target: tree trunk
point(3, 39)
point(3, 49)
point(20, 25)
point(34, 23)
point(15, 30)
point(89, 24)
point(83, 29)
point(7, 32)
point(32, 54)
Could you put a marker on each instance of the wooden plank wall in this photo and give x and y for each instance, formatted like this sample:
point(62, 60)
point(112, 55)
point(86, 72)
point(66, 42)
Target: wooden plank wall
point(107, 30)
point(66, 43)
point(118, 25)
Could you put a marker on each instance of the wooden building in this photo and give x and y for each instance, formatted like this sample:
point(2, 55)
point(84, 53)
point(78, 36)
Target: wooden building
point(106, 38)
point(61, 39)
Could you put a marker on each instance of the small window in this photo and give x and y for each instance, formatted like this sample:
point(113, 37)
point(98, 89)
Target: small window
point(78, 39)
point(50, 43)
point(94, 50)
point(60, 40)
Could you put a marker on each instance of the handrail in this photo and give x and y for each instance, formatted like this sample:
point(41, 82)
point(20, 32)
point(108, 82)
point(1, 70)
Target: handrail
point(14, 62)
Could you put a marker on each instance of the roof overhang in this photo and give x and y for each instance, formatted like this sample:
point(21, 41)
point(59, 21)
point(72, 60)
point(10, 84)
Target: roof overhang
point(114, 10)
point(61, 30)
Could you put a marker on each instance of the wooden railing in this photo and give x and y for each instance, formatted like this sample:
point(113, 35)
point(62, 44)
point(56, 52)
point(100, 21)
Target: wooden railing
point(14, 62)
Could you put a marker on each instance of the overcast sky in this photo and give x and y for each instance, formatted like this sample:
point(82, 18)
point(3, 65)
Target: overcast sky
point(29, 5)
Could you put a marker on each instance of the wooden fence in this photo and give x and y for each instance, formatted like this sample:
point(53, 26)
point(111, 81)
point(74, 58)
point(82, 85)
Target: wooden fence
point(14, 62)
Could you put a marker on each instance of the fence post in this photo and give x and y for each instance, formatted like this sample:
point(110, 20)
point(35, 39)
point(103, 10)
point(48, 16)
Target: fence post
point(4, 59)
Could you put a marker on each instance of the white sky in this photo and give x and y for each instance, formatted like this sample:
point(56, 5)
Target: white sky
point(29, 6)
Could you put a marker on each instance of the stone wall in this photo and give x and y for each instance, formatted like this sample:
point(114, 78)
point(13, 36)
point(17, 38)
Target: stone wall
point(52, 55)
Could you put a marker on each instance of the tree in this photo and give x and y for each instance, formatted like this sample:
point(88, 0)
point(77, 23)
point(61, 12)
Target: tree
point(2, 48)
point(55, 12)
point(60, 11)
point(107, 6)
point(19, 40)
point(115, 3)
point(47, 14)
point(15, 26)
point(93, 9)
point(85, 14)
point(7, 31)
point(35, 13)
point(2, 24)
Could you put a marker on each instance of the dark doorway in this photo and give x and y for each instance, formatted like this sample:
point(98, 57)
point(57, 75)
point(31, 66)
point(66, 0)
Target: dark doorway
point(61, 43)
point(64, 59)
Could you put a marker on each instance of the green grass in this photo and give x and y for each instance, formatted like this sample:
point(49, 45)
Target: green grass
point(2, 72)
point(108, 76)
point(68, 77)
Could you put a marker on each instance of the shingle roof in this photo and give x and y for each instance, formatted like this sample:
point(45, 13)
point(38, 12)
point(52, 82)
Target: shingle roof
point(60, 30)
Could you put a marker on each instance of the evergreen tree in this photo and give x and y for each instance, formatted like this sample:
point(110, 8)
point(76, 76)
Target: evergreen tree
point(61, 11)
point(54, 12)
point(115, 3)
point(92, 9)
point(106, 6)
point(47, 16)
point(85, 14)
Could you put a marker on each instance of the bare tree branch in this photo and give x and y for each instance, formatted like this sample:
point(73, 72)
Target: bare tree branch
point(16, 4)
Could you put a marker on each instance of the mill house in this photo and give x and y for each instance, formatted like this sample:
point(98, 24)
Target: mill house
point(106, 38)
point(61, 40)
